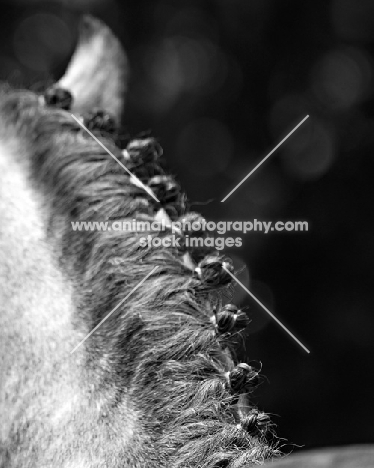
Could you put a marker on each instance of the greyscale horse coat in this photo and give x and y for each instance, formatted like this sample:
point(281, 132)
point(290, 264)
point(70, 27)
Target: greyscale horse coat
point(156, 384)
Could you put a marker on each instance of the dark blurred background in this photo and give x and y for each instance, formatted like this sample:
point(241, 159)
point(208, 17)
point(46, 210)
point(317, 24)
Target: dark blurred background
point(220, 83)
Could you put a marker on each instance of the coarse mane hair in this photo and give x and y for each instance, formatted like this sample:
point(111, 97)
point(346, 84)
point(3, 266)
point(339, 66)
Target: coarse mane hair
point(159, 347)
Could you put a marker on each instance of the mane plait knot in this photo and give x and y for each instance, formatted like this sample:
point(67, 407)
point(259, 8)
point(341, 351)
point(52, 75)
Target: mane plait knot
point(192, 224)
point(231, 319)
point(143, 158)
point(242, 378)
point(213, 272)
point(169, 193)
point(144, 151)
point(58, 97)
point(100, 120)
point(165, 188)
point(256, 422)
point(193, 228)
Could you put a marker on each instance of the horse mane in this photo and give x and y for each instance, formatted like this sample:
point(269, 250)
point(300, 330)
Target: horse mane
point(159, 349)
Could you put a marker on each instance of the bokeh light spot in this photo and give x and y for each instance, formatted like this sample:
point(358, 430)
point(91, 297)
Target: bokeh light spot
point(180, 65)
point(310, 154)
point(40, 39)
point(342, 78)
point(205, 147)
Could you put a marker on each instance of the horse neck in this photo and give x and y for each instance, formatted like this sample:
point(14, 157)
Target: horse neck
point(37, 333)
point(36, 298)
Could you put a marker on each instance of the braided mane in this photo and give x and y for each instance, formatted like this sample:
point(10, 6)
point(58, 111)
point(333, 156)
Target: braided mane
point(167, 348)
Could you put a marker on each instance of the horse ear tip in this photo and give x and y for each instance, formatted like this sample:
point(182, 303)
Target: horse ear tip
point(91, 26)
point(89, 23)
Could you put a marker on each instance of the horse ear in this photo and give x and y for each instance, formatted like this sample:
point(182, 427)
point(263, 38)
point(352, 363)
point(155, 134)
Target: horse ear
point(98, 71)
